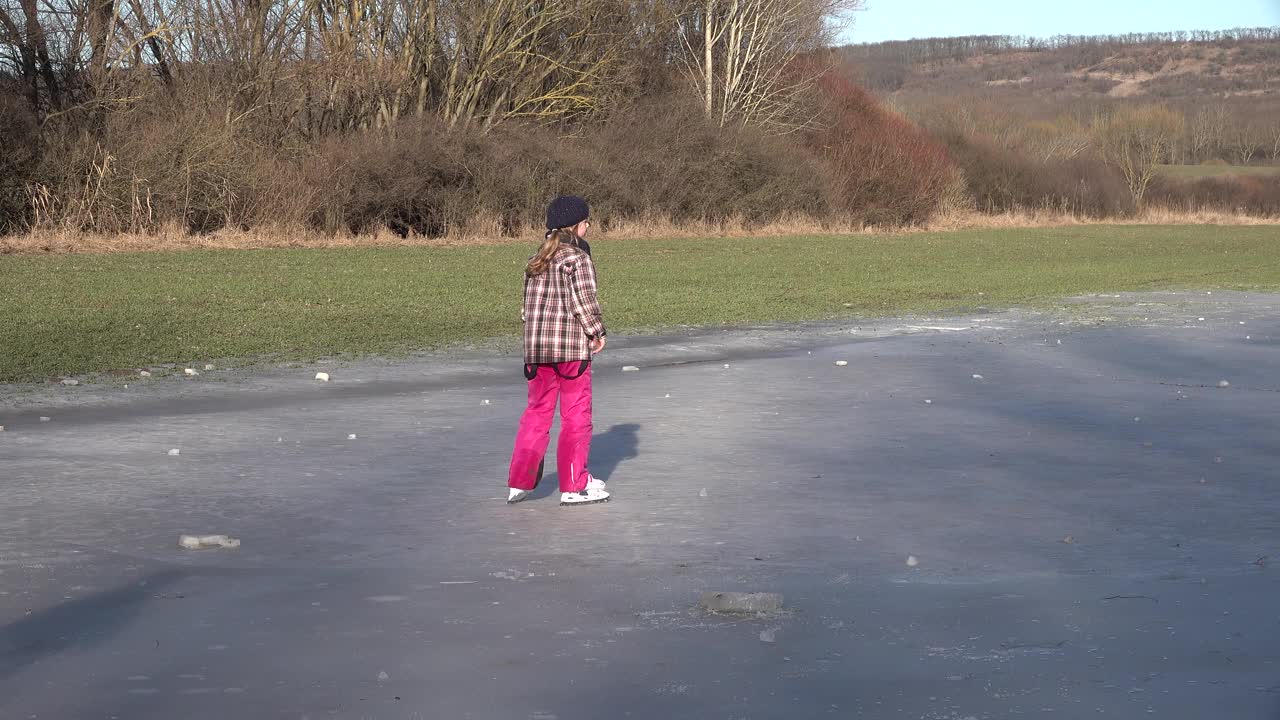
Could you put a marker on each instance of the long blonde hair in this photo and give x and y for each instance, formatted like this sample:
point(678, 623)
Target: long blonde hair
point(550, 246)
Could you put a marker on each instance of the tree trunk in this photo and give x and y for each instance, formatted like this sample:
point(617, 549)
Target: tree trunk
point(153, 44)
point(101, 18)
point(708, 57)
point(36, 41)
point(28, 59)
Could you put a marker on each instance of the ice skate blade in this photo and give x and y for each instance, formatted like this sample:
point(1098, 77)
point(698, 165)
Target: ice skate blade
point(583, 502)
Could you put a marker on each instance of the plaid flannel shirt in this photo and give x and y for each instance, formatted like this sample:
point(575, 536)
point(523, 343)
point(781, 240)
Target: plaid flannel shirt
point(561, 311)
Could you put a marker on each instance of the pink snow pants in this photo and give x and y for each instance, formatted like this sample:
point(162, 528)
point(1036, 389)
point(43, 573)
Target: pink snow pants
point(535, 428)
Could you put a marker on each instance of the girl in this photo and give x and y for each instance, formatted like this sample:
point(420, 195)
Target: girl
point(563, 328)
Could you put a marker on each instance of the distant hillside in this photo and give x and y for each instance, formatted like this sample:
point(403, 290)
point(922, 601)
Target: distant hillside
point(1178, 68)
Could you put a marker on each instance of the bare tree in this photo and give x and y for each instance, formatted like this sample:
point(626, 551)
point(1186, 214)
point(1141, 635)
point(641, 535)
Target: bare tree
point(1135, 140)
point(1208, 132)
point(24, 30)
point(1246, 139)
point(152, 36)
point(26, 58)
point(1060, 139)
point(524, 58)
point(473, 62)
point(741, 55)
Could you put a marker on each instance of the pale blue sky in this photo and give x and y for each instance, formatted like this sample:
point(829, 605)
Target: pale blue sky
point(904, 19)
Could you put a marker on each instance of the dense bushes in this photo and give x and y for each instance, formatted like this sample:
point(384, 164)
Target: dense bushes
point(642, 164)
point(1244, 194)
point(18, 162)
point(1001, 180)
point(172, 163)
point(188, 164)
point(658, 159)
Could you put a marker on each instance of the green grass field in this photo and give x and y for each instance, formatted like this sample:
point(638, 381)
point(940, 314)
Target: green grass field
point(1195, 172)
point(71, 314)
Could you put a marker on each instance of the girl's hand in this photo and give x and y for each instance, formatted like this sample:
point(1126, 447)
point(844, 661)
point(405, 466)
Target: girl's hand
point(597, 345)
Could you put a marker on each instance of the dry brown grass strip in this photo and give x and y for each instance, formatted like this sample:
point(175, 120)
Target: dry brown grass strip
point(970, 220)
point(172, 238)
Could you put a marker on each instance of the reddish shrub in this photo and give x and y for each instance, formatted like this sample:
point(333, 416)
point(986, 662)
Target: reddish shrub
point(885, 169)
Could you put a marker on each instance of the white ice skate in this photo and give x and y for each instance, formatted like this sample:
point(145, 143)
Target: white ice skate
point(594, 484)
point(589, 496)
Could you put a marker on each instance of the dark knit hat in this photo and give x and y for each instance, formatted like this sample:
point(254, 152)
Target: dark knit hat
point(566, 211)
